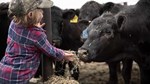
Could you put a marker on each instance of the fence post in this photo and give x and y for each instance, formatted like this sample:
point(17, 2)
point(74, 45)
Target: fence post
point(47, 65)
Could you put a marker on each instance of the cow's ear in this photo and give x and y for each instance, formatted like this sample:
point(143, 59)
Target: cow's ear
point(68, 13)
point(120, 21)
point(77, 11)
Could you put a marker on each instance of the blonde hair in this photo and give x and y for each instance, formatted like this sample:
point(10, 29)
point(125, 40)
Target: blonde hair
point(26, 21)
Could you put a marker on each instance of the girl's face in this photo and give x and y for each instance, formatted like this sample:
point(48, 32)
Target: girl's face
point(36, 16)
point(39, 15)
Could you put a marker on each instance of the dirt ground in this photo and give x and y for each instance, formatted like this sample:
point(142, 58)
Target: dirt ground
point(98, 73)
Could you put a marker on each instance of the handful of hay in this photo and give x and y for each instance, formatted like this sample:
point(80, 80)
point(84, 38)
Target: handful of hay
point(76, 61)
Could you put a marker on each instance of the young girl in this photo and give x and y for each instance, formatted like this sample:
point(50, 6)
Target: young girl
point(25, 43)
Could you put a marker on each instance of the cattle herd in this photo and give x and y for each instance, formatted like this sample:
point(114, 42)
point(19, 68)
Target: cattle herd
point(114, 33)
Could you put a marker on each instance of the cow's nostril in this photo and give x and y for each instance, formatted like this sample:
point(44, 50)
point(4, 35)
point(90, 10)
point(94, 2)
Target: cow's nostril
point(85, 53)
point(82, 52)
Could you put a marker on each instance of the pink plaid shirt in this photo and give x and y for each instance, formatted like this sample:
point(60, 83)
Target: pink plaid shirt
point(21, 60)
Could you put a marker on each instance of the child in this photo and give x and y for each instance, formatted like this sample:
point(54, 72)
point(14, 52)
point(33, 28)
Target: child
point(25, 43)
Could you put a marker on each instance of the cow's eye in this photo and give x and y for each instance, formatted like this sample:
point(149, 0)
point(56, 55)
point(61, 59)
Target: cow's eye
point(108, 32)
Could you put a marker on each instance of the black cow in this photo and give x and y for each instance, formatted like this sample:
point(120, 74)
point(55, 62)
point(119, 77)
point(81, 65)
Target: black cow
point(4, 22)
point(70, 31)
point(57, 21)
point(113, 68)
point(107, 7)
point(70, 41)
point(89, 11)
point(92, 9)
point(98, 24)
point(127, 35)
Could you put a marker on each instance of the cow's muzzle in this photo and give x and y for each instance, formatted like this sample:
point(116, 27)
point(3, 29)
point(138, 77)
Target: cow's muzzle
point(83, 54)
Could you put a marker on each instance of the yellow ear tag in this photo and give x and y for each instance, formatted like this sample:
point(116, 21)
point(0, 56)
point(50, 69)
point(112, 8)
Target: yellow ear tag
point(74, 20)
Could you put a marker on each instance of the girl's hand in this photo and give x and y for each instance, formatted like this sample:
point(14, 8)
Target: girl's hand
point(69, 56)
point(39, 25)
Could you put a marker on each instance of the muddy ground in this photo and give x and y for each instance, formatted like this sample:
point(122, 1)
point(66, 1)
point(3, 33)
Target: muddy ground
point(98, 73)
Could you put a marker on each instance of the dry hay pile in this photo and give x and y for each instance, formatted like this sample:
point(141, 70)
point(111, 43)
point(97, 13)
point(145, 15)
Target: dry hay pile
point(61, 80)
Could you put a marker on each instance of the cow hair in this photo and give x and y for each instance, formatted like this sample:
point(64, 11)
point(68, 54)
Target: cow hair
point(3, 8)
point(56, 11)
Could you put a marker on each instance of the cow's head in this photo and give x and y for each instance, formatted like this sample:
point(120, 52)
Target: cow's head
point(57, 20)
point(89, 11)
point(103, 41)
point(87, 18)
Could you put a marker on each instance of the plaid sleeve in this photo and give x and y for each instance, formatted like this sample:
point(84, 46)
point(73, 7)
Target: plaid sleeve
point(43, 44)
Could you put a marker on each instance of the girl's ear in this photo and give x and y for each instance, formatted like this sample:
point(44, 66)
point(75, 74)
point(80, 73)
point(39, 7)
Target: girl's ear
point(30, 14)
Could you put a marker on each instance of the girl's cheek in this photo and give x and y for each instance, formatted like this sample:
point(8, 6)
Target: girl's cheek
point(41, 15)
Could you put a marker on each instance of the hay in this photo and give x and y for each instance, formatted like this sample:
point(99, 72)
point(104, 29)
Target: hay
point(76, 60)
point(61, 80)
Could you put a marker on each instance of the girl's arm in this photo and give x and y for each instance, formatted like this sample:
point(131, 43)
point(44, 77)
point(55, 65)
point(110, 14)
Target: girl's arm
point(43, 44)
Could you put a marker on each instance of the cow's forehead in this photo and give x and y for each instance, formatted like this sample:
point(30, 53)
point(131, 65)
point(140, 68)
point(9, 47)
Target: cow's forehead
point(105, 16)
point(103, 21)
